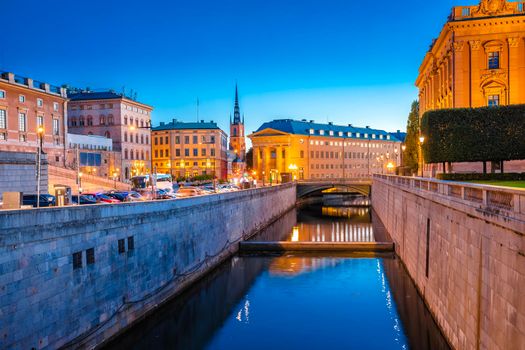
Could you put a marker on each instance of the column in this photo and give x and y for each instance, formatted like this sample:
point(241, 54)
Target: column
point(266, 162)
point(460, 85)
point(516, 69)
point(279, 159)
point(256, 161)
point(476, 98)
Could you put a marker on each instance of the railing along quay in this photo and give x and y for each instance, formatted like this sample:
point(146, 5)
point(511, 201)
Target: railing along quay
point(494, 198)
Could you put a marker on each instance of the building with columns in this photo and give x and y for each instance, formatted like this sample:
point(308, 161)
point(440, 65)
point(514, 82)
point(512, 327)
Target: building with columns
point(117, 117)
point(237, 139)
point(306, 150)
point(477, 60)
point(26, 105)
point(189, 149)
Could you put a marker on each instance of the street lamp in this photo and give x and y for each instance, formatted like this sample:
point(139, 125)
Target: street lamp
point(115, 179)
point(293, 168)
point(422, 161)
point(40, 132)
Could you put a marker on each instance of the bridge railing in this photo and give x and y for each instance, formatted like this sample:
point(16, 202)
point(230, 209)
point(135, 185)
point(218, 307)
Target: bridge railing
point(485, 196)
point(357, 180)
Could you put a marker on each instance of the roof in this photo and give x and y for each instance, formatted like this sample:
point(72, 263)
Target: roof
point(304, 127)
point(102, 95)
point(179, 125)
point(401, 136)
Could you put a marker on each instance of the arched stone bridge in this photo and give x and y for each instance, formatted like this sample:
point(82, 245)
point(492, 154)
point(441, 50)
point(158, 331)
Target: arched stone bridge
point(307, 188)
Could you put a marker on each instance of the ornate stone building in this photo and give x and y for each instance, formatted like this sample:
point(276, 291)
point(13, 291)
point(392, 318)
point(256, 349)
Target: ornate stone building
point(305, 150)
point(237, 139)
point(477, 60)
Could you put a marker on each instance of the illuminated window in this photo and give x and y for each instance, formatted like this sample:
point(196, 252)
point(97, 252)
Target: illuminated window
point(494, 60)
point(493, 100)
point(3, 119)
point(22, 122)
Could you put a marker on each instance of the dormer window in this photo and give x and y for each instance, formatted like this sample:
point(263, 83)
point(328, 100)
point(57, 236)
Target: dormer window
point(312, 131)
point(349, 134)
point(366, 136)
point(465, 12)
point(388, 137)
point(373, 136)
point(321, 132)
point(340, 133)
point(380, 137)
point(358, 135)
point(494, 60)
point(331, 133)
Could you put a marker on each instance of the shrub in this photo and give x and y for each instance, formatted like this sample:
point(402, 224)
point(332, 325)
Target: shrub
point(474, 134)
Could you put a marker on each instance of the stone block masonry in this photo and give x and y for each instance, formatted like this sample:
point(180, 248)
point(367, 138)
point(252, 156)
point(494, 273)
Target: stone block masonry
point(18, 173)
point(75, 276)
point(464, 247)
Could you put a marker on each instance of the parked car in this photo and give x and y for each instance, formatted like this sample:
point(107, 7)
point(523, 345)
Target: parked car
point(46, 200)
point(135, 197)
point(120, 196)
point(184, 192)
point(84, 199)
point(102, 198)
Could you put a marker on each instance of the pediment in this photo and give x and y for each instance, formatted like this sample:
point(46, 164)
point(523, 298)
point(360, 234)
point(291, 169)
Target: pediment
point(268, 132)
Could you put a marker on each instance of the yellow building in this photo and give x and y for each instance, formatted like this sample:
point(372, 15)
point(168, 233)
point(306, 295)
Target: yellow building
point(306, 151)
point(187, 150)
point(477, 60)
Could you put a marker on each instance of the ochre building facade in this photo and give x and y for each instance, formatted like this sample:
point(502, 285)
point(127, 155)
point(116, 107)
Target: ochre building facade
point(305, 150)
point(477, 60)
point(186, 150)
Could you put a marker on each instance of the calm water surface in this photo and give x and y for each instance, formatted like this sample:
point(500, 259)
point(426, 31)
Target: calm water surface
point(296, 302)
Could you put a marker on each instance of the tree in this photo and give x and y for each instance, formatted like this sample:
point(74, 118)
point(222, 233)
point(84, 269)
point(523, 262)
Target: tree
point(249, 158)
point(410, 156)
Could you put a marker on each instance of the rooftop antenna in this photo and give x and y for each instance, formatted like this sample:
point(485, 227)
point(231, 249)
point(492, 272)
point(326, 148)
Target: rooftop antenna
point(198, 105)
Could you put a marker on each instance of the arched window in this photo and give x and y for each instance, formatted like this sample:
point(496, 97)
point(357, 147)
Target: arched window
point(131, 154)
point(142, 139)
point(102, 120)
point(142, 155)
point(147, 140)
point(126, 154)
point(234, 132)
point(89, 120)
point(125, 136)
point(126, 120)
point(81, 122)
point(107, 134)
point(110, 119)
point(137, 138)
point(142, 123)
point(73, 121)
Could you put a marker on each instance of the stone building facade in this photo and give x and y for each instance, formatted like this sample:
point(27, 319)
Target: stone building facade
point(310, 151)
point(26, 104)
point(477, 60)
point(115, 116)
point(190, 149)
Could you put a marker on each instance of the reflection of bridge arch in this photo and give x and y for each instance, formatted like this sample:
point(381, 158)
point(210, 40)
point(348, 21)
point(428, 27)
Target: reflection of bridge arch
point(308, 188)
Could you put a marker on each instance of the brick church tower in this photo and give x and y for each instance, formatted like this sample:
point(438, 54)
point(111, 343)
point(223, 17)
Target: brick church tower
point(237, 139)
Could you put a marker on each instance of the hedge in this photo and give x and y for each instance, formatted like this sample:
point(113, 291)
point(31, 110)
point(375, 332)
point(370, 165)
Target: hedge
point(482, 177)
point(474, 134)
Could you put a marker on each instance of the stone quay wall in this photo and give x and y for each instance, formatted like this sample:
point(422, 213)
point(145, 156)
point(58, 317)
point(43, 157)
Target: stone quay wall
point(18, 173)
point(74, 277)
point(464, 247)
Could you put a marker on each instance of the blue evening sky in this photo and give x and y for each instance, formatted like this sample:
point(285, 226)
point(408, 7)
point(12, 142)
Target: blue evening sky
point(345, 61)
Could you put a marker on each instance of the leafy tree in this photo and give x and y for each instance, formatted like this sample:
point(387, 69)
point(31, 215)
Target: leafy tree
point(410, 156)
point(474, 134)
point(249, 158)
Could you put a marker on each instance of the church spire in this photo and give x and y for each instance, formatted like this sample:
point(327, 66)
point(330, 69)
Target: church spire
point(236, 110)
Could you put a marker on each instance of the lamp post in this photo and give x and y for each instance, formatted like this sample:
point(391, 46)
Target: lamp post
point(79, 182)
point(40, 132)
point(293, 169)
point(422, 161)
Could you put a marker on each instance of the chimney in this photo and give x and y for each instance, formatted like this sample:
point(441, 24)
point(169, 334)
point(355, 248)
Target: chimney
point(368, 127)
point(350, 125)
point(398, 131)
point(202, 121)
point(303, 120)
point(173, 121)
point(330, 123)
point(311, 121)
point(162, 124)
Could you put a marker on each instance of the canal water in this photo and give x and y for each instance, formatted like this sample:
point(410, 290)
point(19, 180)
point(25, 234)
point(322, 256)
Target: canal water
point(298, 301)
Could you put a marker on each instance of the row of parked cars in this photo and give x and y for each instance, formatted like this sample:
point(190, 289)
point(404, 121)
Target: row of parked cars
point(112, 197)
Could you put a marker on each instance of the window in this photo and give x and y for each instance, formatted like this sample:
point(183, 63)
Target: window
point(520, 7)
point(302, 154)
point(2, 94)
point(21, 98)
point(186, 152)
point(40, 120)
point(156, 141)
point(110, 119)
point(126, 154)
point(167, 153)
point(3, 119)
point(121, 246)
point(56, 127)
point(212, 152)
point(177, 152)
point(162, 153)
point(493, 100)
point(131, 243)
point(321, 132)
point(494, 60)
point(195, 152)
point(125, 137)
point(22, 125)
point(195, 139)
point(465, 12)
point(90, 256)
point(77, 260)
point(102, 120)
point(167, 140)
point(39, 102)
point(90, 120)
point(331, 133)
point(177, 140)
point(186, 139)
point(81, 121)
point(55, 106)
